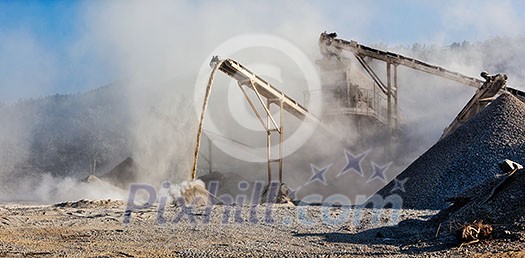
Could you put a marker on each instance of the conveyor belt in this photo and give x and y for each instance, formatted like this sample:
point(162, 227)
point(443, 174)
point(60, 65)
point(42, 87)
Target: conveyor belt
point(487, 90)
point(395, 58)
point(274, 95)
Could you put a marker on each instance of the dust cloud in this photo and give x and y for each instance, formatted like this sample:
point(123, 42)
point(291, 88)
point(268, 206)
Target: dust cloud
point(155, 51)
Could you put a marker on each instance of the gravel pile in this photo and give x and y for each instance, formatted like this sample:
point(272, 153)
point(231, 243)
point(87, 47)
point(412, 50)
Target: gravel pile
point(124, 174)
point(465, 158)
point(504, 207)
point(226, 184)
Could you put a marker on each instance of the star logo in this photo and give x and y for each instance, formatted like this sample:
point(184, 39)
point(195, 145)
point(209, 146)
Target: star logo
point(353, 162)
point(293, 193)
point(318, 174)
point(379, 172)
point(399, 185)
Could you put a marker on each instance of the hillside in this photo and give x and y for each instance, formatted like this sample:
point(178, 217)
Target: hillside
point(63, 134)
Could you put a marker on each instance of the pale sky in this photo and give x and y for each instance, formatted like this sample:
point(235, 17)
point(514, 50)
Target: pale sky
point(49, 47)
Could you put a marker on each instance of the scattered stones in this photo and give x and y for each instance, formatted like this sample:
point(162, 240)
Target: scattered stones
point(89, 204)
point(276, 193)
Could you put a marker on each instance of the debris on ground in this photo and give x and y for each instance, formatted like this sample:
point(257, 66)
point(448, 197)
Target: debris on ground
point(473, 232)
point(88, 204)
point(277, 193)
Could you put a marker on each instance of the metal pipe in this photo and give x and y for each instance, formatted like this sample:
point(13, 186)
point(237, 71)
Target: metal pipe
point(201, 120)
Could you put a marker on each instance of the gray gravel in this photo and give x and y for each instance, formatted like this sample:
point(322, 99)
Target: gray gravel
point(465, 158)
point(95, 229)
point(505, 209)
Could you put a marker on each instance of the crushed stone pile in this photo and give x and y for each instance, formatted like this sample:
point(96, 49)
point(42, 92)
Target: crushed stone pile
point(124, 174)
point(503, 207)
point(226, 183)
point(464, 159)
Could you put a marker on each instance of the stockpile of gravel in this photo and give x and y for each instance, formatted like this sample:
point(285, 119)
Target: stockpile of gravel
point(504, 207)
point(227, 184)
point(124, 174)
point(465, 158)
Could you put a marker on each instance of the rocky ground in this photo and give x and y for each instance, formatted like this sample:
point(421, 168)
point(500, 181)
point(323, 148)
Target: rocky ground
point(96, 229)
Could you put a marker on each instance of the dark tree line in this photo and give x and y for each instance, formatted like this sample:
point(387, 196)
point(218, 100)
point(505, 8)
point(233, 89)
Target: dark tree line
point(64, 134)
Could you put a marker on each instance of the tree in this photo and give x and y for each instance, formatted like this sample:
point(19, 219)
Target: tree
point(455, 45)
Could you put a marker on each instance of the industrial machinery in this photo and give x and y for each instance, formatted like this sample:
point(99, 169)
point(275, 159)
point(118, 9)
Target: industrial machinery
point(333, 48)
point(266, 95)
point(349, 92)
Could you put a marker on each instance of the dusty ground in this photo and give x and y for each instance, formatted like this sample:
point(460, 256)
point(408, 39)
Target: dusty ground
point(96, 229)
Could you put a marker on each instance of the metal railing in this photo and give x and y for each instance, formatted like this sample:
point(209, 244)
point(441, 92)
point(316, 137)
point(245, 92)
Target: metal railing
point(352, 100)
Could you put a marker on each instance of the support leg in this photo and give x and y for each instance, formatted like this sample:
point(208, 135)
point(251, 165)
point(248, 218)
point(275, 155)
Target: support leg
point(268, 143)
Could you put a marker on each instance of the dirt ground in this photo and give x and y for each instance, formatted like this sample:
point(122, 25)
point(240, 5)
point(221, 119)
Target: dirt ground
point(97, 229)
